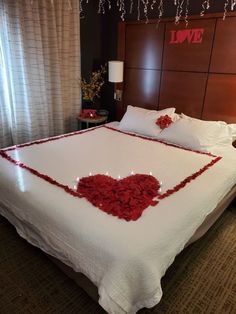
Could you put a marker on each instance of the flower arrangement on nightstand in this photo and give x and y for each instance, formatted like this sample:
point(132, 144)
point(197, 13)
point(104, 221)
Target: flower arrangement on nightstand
point(91, 88)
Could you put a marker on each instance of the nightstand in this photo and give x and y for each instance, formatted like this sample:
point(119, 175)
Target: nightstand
point(94, 121)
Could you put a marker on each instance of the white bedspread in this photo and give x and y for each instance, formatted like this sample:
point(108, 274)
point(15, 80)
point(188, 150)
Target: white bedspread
point(126, 260)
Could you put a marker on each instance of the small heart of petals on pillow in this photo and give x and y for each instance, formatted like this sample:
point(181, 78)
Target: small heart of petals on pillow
point(164, 121)
point(125, 198)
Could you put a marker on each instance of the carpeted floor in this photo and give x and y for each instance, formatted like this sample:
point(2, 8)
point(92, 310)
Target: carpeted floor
point(201, 280)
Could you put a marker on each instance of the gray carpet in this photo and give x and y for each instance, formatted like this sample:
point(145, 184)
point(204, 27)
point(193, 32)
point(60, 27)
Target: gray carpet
point(201, 280)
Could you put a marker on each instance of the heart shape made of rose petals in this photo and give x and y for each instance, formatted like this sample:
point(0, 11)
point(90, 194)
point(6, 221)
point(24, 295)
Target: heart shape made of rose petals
point(125, 198)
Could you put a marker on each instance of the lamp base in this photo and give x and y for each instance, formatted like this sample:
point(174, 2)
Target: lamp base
point(118, 94)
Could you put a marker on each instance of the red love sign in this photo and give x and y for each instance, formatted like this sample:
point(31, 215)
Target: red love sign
point(192, 36)
point(126, 198)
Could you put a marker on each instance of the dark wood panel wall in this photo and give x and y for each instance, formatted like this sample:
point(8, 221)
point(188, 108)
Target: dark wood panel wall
point(196, 76)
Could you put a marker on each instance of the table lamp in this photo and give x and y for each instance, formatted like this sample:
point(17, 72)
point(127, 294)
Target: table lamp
point(115, 75)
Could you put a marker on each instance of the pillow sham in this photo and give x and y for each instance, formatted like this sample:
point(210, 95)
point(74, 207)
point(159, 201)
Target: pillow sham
point(184, 116)
point(143, 121)
point(233, 130)
point(231, 127)
point(197, 134)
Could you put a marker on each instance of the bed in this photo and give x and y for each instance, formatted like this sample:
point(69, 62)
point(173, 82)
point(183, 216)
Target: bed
point(124, 258)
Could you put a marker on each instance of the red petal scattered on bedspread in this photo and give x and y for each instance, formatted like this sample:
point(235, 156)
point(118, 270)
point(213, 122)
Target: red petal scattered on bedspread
point(125, 198)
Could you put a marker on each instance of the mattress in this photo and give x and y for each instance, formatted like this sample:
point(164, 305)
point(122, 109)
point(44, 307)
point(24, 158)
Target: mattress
point(125, 260)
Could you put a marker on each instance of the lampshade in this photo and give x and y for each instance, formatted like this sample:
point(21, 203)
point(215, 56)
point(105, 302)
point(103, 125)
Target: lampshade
point(115, 71)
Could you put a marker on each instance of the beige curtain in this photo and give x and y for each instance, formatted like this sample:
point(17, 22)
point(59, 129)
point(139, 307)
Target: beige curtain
point(39, 69)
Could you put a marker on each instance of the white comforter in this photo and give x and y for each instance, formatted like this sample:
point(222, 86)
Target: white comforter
point(126, 260)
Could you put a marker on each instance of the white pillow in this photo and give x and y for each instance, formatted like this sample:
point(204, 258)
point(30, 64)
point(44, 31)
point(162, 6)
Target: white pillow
point(143, 121)
point(233, 130)
point(184, 116)
point(197, 134)
point(231, 127)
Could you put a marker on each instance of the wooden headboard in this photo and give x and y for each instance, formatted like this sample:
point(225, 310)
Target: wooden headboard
point(192, 69)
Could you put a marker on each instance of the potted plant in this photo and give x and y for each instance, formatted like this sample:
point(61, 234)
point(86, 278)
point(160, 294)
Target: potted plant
point(91, 88)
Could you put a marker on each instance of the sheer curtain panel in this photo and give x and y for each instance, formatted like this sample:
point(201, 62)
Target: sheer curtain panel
point(39, 69)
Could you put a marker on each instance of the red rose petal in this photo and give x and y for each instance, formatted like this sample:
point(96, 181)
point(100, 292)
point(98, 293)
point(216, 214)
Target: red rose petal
point(164, 121)
point(126, 198)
